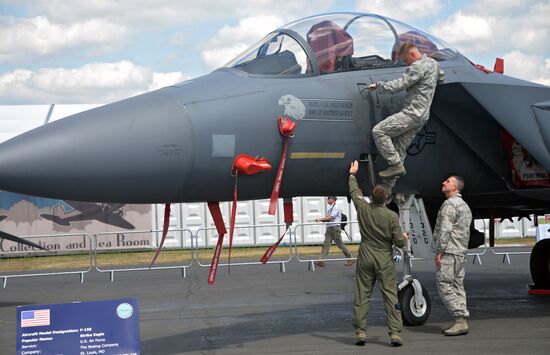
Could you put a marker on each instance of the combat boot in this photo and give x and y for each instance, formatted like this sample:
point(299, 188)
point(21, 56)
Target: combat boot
point(395, 340)
point(393, 170)
point(360, 338)
point(460, 327)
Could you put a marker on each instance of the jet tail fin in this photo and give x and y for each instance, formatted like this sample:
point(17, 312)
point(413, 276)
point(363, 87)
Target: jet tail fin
point(499, 66)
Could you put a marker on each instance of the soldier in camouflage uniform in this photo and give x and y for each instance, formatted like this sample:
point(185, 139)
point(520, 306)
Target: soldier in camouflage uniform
point(394, 134)
point(379, 229)
point(450, 244)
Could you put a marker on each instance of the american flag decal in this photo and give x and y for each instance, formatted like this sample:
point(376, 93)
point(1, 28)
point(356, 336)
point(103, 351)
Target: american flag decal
point(39, 317)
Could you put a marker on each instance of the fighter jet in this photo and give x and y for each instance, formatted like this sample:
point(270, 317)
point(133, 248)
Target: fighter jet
point(106, 213)
point(178, 144)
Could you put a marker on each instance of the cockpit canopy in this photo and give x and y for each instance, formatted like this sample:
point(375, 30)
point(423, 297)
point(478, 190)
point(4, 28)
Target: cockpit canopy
point(336, 42)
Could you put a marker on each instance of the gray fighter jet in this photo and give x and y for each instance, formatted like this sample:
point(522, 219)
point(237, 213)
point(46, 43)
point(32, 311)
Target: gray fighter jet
point(177, 144)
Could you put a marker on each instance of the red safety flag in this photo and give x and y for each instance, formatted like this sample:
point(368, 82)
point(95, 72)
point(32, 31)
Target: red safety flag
point(289, 218)
point(214, 208)
point(242, 164)
point(286, 129)
point(164, 231)
point(232, 223)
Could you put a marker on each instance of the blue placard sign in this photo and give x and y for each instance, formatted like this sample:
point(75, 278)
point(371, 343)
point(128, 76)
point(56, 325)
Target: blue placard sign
point(79, 328)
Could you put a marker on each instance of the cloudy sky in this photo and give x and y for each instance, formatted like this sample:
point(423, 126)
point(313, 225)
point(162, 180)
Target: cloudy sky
point(98, 51)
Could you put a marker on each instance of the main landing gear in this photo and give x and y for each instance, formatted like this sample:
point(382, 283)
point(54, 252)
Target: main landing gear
point(540, 267)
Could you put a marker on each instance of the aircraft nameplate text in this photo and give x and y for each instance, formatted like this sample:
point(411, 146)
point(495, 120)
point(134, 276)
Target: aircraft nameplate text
point(330, 110)
point(171, 149)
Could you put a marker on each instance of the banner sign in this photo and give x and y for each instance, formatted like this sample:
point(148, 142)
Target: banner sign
point(82, 328)
point(29, 215)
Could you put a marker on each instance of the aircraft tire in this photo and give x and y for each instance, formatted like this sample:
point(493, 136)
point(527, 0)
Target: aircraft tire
point(540, 264)
point(410, 314)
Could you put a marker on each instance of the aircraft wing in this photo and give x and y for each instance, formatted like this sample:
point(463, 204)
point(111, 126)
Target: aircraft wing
point(56, 219)
point(115, 220)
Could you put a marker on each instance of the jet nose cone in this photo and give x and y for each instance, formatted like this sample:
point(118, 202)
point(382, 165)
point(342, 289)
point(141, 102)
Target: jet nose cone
point(133, 151)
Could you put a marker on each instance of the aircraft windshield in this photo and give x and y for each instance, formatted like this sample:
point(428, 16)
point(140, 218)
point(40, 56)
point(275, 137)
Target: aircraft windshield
point(276, 54)
point(338, 42)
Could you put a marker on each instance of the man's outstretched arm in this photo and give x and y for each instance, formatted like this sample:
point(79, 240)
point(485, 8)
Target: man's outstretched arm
point(354, 190)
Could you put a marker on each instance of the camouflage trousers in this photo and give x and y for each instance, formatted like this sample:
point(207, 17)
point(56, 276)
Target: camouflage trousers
point(450, 284)
point(334, 233)
point(394, 135)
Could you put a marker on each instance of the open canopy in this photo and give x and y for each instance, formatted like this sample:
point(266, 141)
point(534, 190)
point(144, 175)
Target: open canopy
point(336, 42)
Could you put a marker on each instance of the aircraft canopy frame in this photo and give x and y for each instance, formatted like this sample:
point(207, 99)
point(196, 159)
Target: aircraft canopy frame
point(336, 42)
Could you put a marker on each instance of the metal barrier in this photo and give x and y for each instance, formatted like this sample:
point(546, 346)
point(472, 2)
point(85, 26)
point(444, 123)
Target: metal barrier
point(108, 246)
point(478, 255)
point(249, 245)
point(506, 254)
point(61, 244)
point(307, 235)
point(183, 248)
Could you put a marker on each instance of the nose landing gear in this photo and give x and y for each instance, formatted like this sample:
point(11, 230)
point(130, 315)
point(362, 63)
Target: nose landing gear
point(414, 299)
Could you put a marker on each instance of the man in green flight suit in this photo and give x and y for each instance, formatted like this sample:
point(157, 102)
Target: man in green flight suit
point(379, 229)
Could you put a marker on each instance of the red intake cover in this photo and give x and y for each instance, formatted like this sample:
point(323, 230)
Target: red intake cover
point(245, 164)
point(286, 126)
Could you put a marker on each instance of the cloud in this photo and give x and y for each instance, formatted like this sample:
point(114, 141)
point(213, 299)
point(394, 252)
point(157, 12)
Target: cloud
point(400, 10)
point(498, 6)
point(161, 80)
point(215, 58)
point(38, 36)
point(528, 67)
point(231, 41)
point(499, 27)
point(167, 12)
point(101, 25)
point(467, 32)
point(90, 83)
point(177, 39)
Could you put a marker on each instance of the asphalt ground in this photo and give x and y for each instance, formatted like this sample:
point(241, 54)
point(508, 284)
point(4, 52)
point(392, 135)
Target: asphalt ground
point(258, 309)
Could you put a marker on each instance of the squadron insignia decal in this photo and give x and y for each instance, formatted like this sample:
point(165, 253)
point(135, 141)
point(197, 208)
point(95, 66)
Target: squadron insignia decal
point(423, 138)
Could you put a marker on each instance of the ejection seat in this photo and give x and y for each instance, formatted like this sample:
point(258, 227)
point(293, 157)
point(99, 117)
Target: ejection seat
point(423, 43)
point(331, 45)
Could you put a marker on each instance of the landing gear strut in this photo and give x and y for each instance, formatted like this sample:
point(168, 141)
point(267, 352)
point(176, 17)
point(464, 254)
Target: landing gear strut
point(413, 297)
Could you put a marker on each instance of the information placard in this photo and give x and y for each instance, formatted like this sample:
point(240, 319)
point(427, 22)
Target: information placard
point(82, 328)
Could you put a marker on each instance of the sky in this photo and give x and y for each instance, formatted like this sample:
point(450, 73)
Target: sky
point(99, 51)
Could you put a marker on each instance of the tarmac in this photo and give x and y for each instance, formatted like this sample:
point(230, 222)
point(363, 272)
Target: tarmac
point(258, 309)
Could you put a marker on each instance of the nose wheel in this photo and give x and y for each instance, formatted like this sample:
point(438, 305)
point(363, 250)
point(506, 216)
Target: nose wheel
point(415, 302)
